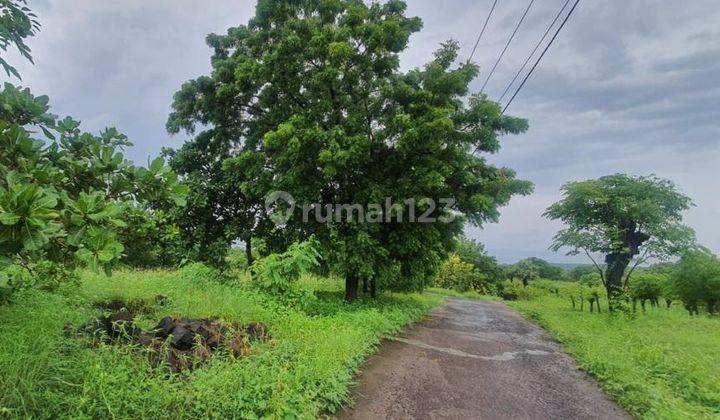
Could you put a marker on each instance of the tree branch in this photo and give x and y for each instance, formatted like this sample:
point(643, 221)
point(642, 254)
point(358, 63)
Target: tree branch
point(597, 266)
point(639, 261)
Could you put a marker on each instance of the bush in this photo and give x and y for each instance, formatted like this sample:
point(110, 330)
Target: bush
point(461, 276)
point(645, 287)
point(65, 199)
point(547, 286)
point(515, 290)
point(278, 274)
point(200, 272)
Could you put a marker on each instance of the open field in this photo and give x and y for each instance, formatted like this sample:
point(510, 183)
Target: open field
point(302, 371)
point(661, 364)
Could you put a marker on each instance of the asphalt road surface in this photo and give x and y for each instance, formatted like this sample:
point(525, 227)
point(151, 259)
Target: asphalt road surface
point(476, 360)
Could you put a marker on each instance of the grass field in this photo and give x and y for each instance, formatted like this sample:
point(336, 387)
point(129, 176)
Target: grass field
point(303, 371)
point(661, 364)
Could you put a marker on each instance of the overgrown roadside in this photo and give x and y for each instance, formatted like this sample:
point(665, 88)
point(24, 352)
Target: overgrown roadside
point(661, 364)
point(303, 370)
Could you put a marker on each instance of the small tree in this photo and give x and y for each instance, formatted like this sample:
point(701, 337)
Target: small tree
point(697, 279)
point(461, 276)
point(578, 271)
point(544, 269)
point(591, 290)
point(646, 287)
point(473, 252)
point(524, 271)
point(628, 219)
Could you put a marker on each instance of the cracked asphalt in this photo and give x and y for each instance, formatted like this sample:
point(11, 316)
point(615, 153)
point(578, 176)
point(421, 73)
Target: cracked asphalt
point(476, 360)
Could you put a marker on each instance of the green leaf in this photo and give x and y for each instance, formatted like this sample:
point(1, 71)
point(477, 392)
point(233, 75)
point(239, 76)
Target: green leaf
point(47, 132)
point(9, 219)
point(157, 164)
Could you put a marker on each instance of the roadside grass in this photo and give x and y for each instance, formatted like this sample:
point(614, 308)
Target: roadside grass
point(303, 371)
point(660, 364)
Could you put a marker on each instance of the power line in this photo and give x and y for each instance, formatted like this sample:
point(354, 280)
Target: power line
point(527, 9)
point(562, 25)
point(527, 60)
point(482, 31)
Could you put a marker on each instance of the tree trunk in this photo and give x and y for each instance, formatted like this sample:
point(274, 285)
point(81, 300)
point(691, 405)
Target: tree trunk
point(617, 262)
point(351, 287)
point(365, 286)
point(616, 265)
point(373, 288)
point(248, 252)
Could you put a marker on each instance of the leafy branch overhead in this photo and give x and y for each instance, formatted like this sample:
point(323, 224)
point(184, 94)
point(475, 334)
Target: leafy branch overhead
point(64, 198)
point(17, 22)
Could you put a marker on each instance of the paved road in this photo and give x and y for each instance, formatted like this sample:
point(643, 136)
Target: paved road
point(476, 360)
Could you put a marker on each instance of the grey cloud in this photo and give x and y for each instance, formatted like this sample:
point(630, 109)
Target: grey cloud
point(699, 60)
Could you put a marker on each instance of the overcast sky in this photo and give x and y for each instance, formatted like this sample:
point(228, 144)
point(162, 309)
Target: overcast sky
point(629, 86)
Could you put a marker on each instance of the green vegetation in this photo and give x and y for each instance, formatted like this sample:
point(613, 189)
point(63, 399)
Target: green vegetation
point(661, 364)
point(536, 268)
point(696, 280)
point(69, 199)
point(525, 271)
point(17, 22)
point(302, 371)
point(461, 276)
point(308, 98)
point(628, 219)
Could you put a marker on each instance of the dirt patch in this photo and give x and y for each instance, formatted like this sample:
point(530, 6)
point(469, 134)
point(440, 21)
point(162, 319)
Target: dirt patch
point(176, 343)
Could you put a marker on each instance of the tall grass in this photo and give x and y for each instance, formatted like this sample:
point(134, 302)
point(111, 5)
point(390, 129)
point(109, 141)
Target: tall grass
point(660, 364)
point(304, 370)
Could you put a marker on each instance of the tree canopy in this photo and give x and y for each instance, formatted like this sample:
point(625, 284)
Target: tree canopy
point(544, 269)
point(696, 279)
point(628, 219)
point(525, 271)
point(308, 98)
point(473, 252)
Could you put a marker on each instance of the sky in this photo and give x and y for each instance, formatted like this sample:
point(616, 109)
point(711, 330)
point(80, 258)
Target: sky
point(628, 86)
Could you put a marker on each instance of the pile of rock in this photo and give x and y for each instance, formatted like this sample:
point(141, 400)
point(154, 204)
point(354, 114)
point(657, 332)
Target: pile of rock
point(177, 343)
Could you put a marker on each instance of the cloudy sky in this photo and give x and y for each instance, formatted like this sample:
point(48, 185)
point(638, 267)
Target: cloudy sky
point(629, 86)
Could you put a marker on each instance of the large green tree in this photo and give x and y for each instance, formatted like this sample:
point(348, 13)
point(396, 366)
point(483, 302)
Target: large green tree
point(310, 94)
point(628, 219)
